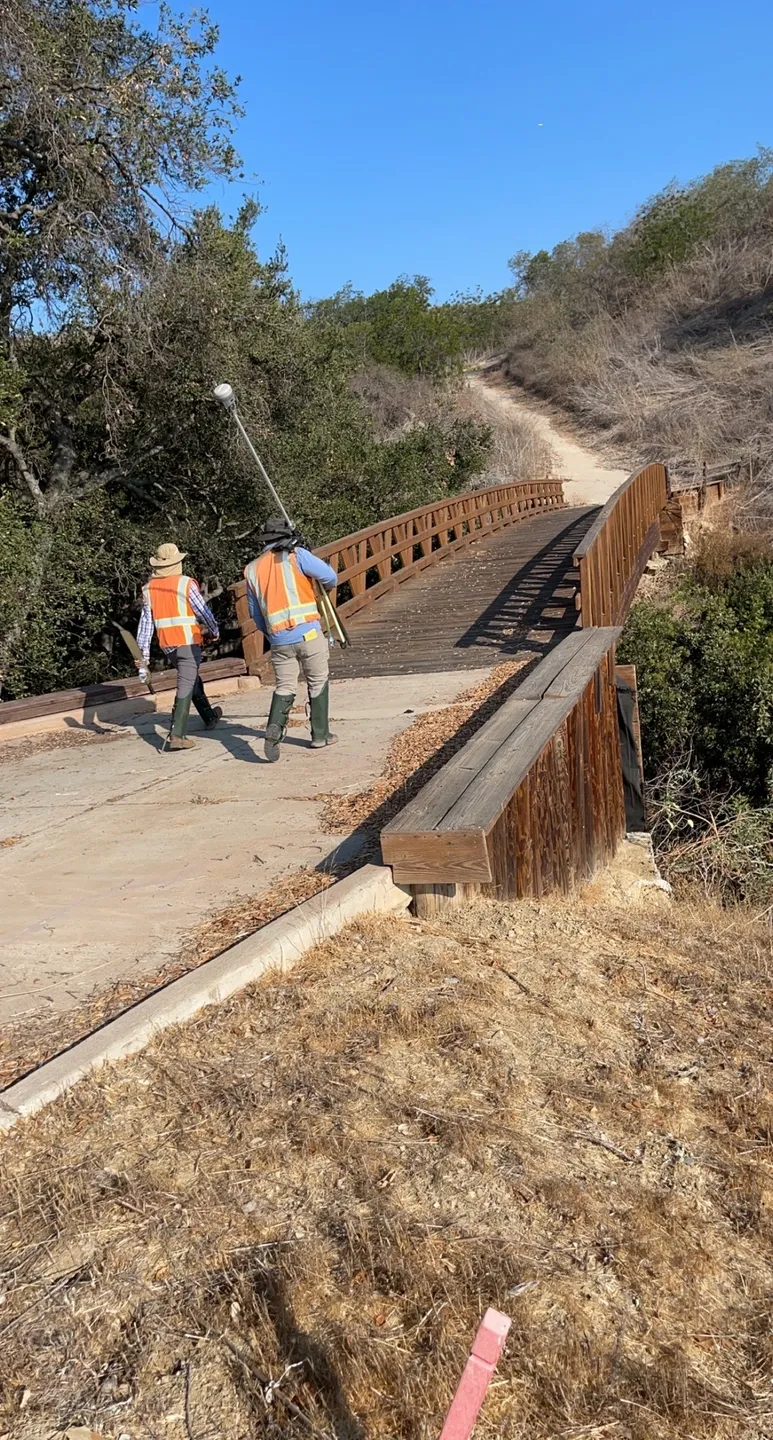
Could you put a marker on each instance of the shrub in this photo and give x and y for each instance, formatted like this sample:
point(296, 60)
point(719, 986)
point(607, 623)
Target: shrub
point(704, 662)
point(722, 842)
point(705, 669)
point(661, 336)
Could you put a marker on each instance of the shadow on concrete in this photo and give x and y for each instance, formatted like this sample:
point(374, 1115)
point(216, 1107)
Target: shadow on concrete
point(237, 738)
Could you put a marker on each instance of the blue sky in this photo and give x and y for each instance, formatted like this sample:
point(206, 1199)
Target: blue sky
point(439, 137)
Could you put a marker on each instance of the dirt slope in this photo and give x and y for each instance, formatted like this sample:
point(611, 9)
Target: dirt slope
point(590, 481)
point(561, 1110)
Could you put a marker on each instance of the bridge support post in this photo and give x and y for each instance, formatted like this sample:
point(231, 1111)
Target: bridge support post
point(431, 900)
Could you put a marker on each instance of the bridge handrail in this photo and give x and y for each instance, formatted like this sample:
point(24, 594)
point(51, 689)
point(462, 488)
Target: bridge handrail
point(534, 800)
point(373, 561)
point(613, 553)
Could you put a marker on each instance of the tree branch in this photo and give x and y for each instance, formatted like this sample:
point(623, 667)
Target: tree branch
point(12, 217)
point(28, 476)
point(143, 190)
point(64, 460)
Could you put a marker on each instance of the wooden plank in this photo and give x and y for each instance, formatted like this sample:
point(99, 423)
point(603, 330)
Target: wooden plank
point(502, 847)
point(484, 800)
point(429, 808)
point(627, 674)
point(130, 688)
point(562, 801)
point(524, 876)
point(437, 857)
point(553, 497)
point(647, 548)
point(449, 616)
point(538, 681)
point(583, 665)
point(431, 900)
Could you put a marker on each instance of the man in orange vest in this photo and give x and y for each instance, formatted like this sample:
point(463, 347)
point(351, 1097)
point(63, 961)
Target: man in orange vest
point(174, 604)
point(283, 604)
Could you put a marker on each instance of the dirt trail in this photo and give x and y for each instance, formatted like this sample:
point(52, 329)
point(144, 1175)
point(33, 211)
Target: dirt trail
point(589, 482)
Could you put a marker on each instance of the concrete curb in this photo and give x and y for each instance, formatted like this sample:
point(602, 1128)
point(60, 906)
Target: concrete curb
point(277, 946)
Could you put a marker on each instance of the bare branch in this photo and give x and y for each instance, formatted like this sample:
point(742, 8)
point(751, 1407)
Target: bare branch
point(64, 460)
point(143, 190)
point(27, 474)
point(9, 218)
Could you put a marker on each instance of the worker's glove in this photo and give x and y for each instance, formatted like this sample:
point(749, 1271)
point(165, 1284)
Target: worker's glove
point(143, 673)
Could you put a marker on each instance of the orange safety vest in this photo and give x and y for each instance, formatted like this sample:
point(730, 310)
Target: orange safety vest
point(173, 615)
point(285, 595)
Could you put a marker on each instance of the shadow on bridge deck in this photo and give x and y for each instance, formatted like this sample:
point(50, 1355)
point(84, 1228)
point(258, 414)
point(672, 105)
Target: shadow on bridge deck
point(508, 594)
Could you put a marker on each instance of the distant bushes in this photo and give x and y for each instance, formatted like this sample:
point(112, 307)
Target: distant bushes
point(401, 328)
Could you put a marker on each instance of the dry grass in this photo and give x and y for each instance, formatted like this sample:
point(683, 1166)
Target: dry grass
point(682, 374)
point(560, 1110)
point(518, 450)
point(398, 403)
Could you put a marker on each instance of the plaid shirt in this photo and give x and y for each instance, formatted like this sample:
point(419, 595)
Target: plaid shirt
point(199, 607)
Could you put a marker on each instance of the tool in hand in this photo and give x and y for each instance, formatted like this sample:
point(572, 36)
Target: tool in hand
point(136, 654)
point(331, 621)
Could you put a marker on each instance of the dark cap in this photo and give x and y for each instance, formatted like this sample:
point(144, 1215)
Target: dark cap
point(279, 532)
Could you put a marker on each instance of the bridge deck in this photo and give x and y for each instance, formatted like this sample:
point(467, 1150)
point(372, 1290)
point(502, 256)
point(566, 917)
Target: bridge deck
point(508, 593)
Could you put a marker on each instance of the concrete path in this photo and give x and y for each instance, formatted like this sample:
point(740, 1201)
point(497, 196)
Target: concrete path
point(589, 481)
point(116, 850)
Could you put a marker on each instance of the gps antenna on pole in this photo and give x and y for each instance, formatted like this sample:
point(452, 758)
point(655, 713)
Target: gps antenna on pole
point(224, 393)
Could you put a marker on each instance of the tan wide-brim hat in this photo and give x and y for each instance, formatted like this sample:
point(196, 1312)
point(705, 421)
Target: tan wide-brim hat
point(167, 559)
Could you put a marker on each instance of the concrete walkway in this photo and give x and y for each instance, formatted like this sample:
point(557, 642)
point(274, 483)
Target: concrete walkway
point(113, 850)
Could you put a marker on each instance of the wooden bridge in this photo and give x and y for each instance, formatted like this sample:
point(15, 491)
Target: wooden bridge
point(535, 800)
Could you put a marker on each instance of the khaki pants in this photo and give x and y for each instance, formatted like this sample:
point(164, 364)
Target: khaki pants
point(311, 657)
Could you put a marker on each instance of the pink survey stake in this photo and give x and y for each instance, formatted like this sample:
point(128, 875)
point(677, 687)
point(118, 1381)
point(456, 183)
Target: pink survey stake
point(476, 1378)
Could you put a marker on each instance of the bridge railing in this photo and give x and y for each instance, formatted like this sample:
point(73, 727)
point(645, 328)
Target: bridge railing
point(612, 555)
point(371, 562)
point(534, 801)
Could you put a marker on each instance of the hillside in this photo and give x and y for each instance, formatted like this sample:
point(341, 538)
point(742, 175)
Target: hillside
point(660, 337)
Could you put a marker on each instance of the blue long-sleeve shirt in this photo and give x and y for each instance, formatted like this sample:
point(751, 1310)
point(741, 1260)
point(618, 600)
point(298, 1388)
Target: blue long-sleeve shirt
point(199, 607)
point(315, 569)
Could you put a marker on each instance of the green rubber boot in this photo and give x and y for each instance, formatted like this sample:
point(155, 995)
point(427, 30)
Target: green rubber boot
point(180, 713)
point(210, 714)
point(278, 716)
point(320, 729)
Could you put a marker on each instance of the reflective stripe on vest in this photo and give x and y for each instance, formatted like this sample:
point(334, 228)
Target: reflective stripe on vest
point(173, 616)
point(285, 595)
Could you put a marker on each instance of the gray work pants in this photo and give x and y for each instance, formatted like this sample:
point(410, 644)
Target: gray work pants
point(311, 657)
point(186, 660)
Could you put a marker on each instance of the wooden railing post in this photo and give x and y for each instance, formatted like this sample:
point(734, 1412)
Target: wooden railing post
point(253, 640)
